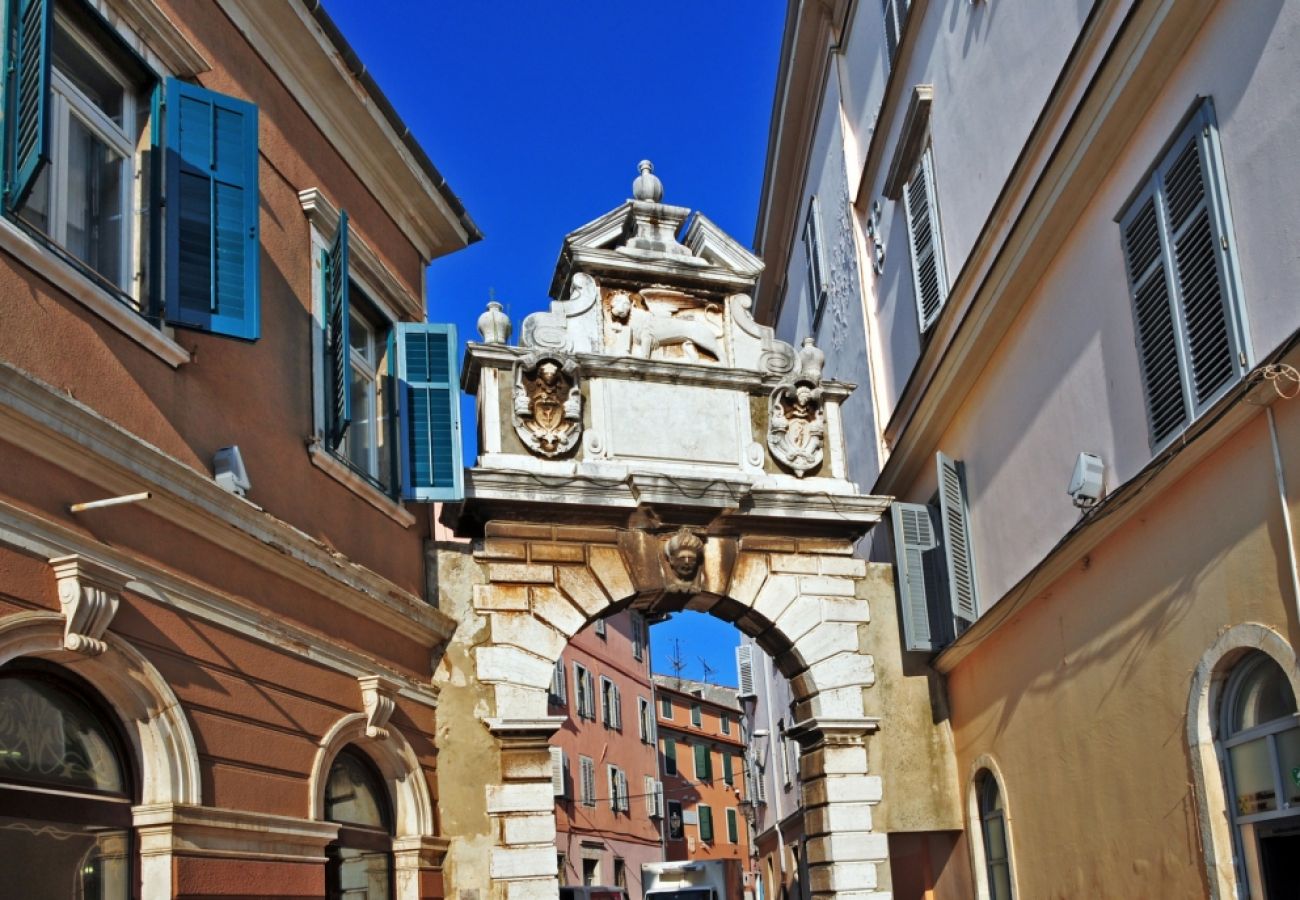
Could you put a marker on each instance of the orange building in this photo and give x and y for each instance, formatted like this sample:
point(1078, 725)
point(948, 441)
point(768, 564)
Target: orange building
point(607, 810)
point(701, 754)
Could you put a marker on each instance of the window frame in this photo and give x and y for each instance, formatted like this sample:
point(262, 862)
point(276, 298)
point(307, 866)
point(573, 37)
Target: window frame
point(815, 263)
point(587, 781)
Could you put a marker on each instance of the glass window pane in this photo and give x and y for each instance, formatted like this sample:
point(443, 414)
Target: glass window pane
point(357, 874)
point(1288, 755)
point(354, 795)
point(359, 334)
point(94, 202)
point(1252, 777)
point(54, 860)
point(1000, 881)
point(89, 75)
point(361, 433)
point(1261, 694)
point(49, 736)
point(995, 838)
point(36, 211)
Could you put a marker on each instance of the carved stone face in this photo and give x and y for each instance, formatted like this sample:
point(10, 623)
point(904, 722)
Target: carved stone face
point(620, 306)
point(803, 394)
point(548, 372)
point(685, 563)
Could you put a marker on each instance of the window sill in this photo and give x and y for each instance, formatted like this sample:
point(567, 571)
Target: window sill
point(327, 463)
point(77, 286)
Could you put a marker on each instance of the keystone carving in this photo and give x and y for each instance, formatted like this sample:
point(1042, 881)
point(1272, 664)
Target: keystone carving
point(547, 403)
point(89, 594)
point(796, 427)
point(377, 693)
point(684, 553)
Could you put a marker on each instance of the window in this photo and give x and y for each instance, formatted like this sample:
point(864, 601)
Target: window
point(789, 761)
point(67, 788)
point(706, 822)
point(1182, 274)
point(584, 689)
point(812, 245)
point(654, 797)
point(935, 565)
point(600, 629)
point(618, 799)
point(666, 707)
point(620, 872)
point(638, 636)
point(361, 859)
point(728, 771)
point(733, 827)
point(675, 820)
point(895, 17)
point(696, 716)
point(1260, 746)
point(587, 772)
point(993, 836)
point(929, 277)
point(745, 670)
point(670, 756)
point(559, 772)
point(725, 721)
point(703, 763)
point(611, 704)
point(85, 176)
point(559, 692)
point(391, 404)
point(644, 721)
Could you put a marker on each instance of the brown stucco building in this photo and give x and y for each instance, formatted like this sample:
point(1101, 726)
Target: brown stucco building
point(220, 685)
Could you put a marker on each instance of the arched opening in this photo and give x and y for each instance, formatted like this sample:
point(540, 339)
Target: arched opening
point(67, 784)
point(359, 862)
point(994, 847)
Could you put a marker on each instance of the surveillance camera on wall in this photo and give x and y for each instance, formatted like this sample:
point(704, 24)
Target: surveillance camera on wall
point(1088, 483)
point(229, 472)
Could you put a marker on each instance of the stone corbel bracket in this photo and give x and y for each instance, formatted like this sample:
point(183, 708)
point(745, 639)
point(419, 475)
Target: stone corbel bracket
point(89, 594)
point(377, 702)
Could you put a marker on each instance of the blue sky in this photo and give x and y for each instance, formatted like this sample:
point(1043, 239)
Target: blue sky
point(537, 113)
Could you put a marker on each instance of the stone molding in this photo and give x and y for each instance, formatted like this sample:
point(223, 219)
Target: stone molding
point(89, 594)
point(169, 828)
point(377, 693)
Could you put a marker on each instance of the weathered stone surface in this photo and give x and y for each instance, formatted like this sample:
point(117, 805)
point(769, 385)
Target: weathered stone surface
point(836, 817)
point(583, 535)
point(831, 759)
point(519, 530)
point(556, 553)
point(845, 609)
point(526, 765)
point(833, 585)
point(500, 596)
point(526, 631)
point(553, 607)
point(828, 639)
point(521, 797)
point(538, 829)
point(825, 546)
point(513, 665)
point(842, 876)
point(847, 789)
point(842, 565)
point(498, 548)
point(514, 701)
point(794, 563)
point(747, 577)
point(778, 592)
point(760, 543)
point(533, 889)
point(521, 573)
point(839, 703)
point(847, 846)
point(842, 670)
point(607, 565)
point(522, 862)
point(800, 617)
point(583, 589)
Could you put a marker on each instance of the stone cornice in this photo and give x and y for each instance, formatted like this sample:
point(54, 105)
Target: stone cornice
point(70, 435)
point(167, 828)
point(159, 36)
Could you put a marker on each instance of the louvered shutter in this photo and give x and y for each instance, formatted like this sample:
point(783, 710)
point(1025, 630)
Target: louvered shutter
point(728, 773)
point(760, 785)
point(27, 61)
point(670, 756)
point(335, 275)
point(956, 539)
point(618, 708)
point(745, 669)
point(706, 823)
point(429, 395)
point(733, 830)
point(558, 683)
point(703, 763)
point(929, 279)
point(213, 253)
point(623, 799)
point(812, 240)
point(588, 772)
point(892, 27)
point(913, 538)
point(558, 772)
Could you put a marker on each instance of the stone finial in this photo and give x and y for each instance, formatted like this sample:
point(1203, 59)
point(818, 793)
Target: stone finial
point(647, 186)
point(494, 325)
point(377, 693)
point(89, 594)
point(811, 361)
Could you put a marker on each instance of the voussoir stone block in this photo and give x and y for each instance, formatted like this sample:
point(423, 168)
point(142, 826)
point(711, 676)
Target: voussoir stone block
point(845, 609)
point(500, 596)
point(515, 701)
point(747, 577)
point(580, 586)
point(521, 797)
point(538, 829)
point(556, 553)
point(523, 862)
point(826, 640)
point(839, 703)
point(607, 565)
point(800, 617)
point(794, 563)
point(553, 607)
point(524, 630)
point(777, 594)
point(521, 573)
point(513, 665)
point(846, 669)
point(842, 565)
point(832, 585)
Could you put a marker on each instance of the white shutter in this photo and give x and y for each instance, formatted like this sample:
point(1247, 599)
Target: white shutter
point(745, 669)
point(929, 279)
point(587, 772)
point(956, 539)
point(558, 683)
point(618, 707)
point(913, 538)
point(623, 804)
point(558, 772)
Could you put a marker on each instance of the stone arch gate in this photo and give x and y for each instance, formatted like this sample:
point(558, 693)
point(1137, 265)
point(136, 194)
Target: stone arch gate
point(647, 405)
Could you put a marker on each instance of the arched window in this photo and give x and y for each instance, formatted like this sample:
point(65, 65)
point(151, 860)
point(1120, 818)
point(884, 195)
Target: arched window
point(65, 791)
point(1260, 737)
point(360, 863)
point(993, 834)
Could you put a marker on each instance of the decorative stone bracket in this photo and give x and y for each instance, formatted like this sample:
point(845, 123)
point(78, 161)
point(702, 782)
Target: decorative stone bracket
point(89, 594)
point(377, 693)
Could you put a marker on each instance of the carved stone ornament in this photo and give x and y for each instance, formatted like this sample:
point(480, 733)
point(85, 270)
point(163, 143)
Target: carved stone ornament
point(684, 556)
point(89, 594)
point(665, 324)
point(547, 403)
point(377, 693)
point(796, 428)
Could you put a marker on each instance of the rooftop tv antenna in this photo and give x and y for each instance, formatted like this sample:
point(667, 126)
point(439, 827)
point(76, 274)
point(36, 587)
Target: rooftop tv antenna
point(676, 663)
point(709, 671)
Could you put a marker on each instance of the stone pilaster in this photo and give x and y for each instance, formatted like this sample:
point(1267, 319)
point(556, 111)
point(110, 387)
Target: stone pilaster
point(522, 864)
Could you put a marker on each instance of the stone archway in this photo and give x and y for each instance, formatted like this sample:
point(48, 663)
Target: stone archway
point(800, 597)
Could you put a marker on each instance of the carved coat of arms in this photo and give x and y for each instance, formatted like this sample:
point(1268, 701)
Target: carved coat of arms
point(547, 403)
point(796, 427)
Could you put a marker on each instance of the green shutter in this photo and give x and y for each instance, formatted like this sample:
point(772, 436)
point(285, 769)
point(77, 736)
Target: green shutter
point(335, 277)
point(706, 823)
point(670, 756)
point(213, 251)
point(429, 398)
point(733, 831)
point(728, 775)
point(28, 33)
point(703, 763)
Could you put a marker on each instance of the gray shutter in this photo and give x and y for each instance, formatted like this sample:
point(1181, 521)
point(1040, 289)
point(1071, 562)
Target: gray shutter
point(338, 397)
point(557, 771)
point(956, 539)
point(929, 280)
point(1153, 317)
point(892, 27)
point(27, 104)
point(812, 240)
point(745, 669)
point(913, 538)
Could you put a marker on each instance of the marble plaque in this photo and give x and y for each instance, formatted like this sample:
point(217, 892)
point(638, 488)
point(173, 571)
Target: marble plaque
point(672, 421)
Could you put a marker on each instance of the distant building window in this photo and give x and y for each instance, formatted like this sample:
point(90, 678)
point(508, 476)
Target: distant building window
point(600, 628)
point(611, 704)
point(1182, 274)
point(895, 17)
point(618, 798)
point(733, 826)
point(703, 762)
point(584, 689)
point(696, 715)
point(559, 682)
point(666, 707)
point(675, 820)
point(706, 822)
point(726, 723)
point(812, 242)
point(638, 636)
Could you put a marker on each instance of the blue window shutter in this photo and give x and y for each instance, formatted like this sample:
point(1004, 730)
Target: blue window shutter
point(212, 212)
point(338, 398)
point(28, 32)
point(429, 398)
